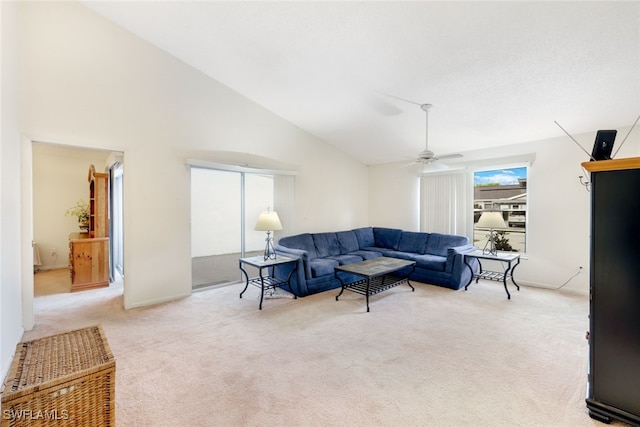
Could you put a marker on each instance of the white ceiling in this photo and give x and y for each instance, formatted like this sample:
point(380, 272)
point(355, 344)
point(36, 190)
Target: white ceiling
point(497, 73)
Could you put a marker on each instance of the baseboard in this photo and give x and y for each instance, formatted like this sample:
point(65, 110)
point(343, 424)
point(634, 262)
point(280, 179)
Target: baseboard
point(151, 302)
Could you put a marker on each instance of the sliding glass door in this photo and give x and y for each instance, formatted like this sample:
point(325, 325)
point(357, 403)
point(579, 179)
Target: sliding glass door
point(224, 208)
point(259, 195)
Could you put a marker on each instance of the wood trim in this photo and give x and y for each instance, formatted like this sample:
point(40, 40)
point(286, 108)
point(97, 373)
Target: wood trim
point(612, 165)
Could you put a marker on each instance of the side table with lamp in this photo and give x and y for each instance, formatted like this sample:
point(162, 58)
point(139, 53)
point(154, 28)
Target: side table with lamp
point(493, 220)
point(267, 221)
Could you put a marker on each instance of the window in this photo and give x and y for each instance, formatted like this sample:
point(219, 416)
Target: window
point(503, 190)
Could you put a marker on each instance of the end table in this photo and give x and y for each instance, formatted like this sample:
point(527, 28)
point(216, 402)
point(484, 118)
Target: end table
point(269, 281)
point(506, 258)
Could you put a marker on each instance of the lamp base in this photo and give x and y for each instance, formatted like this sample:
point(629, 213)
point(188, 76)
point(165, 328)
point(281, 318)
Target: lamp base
point(491, 242)
point(269, 250)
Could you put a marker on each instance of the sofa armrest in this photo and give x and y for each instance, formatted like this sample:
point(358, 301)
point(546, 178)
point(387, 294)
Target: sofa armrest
point(455, 259)
point(304, 267)
point(298, 283)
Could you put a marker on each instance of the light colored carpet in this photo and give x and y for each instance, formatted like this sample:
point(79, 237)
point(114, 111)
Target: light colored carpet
point(48, 282)
point(434, 357)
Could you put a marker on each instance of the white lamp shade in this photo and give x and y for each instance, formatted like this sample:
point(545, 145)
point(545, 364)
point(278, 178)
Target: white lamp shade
point(268, 221)
point(491, 220)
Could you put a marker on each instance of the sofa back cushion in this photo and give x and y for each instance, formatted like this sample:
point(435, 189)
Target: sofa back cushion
point(365, 237)
point(347, 241)
point(326, 244)
point(437, 244)
point(300, 241)
point(387, 237)
point(413, 242)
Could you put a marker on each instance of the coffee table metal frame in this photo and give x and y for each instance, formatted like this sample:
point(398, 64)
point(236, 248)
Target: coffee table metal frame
point(377, 276)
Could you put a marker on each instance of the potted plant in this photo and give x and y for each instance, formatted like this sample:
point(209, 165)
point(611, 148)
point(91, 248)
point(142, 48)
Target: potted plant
point(82, 212)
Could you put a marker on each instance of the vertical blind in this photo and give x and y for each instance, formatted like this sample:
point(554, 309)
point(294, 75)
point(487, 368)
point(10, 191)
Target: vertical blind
point(445, 203)
point(283, 203)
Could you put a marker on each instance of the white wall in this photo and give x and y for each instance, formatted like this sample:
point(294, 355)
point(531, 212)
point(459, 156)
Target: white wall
point(10, 196)
point(59, 181)
point(91, 84)
point(559, 210)
point(394, 196)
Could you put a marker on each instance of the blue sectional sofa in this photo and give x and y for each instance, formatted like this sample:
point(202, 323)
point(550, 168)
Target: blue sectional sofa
point(439, 257)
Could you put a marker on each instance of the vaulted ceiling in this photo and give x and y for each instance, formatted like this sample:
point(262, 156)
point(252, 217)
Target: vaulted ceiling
point(497, 73)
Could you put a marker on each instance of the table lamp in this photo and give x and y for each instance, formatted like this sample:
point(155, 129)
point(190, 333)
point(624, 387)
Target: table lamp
point(269, 221)
point(491, 220)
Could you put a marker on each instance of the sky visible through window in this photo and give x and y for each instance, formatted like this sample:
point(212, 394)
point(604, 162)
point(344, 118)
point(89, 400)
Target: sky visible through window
point(500, 176)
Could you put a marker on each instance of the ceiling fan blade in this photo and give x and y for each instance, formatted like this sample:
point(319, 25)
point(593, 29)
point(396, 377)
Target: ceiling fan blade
point(433, 166)
point(401, 99)
point(413, 163)
point(449, 156)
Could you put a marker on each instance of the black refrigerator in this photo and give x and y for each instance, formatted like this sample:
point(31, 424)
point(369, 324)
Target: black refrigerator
point(613, 390)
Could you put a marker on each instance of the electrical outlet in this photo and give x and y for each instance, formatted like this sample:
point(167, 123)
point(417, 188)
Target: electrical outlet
point(54, 252)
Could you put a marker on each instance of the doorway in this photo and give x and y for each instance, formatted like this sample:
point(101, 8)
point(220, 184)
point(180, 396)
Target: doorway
point(59, 182)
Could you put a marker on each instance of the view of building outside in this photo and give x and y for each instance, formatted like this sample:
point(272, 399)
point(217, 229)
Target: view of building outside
point(504, 191)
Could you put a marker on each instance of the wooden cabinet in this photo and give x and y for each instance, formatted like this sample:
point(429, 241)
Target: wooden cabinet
point(88, 261)
point(89, 252)
point(614, 307)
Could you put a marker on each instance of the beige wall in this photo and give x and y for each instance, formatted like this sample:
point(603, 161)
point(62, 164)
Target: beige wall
point(11, 245)
point(559, 211)
point(91, 84)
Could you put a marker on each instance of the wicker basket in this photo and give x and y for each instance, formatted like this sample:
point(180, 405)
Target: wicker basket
point(62, 380)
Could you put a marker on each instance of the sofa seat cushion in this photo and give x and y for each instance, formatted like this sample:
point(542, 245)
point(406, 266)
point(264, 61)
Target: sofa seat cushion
point(366, 254)
point(382, 251)
point(346, 259)
point(326, 244)
point(438, 244)
point(323, 266)
point(430, 262)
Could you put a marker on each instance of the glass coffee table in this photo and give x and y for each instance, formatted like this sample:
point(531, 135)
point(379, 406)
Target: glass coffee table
point(376, 275)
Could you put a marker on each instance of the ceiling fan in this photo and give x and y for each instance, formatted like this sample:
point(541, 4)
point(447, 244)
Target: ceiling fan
point(426, 156)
